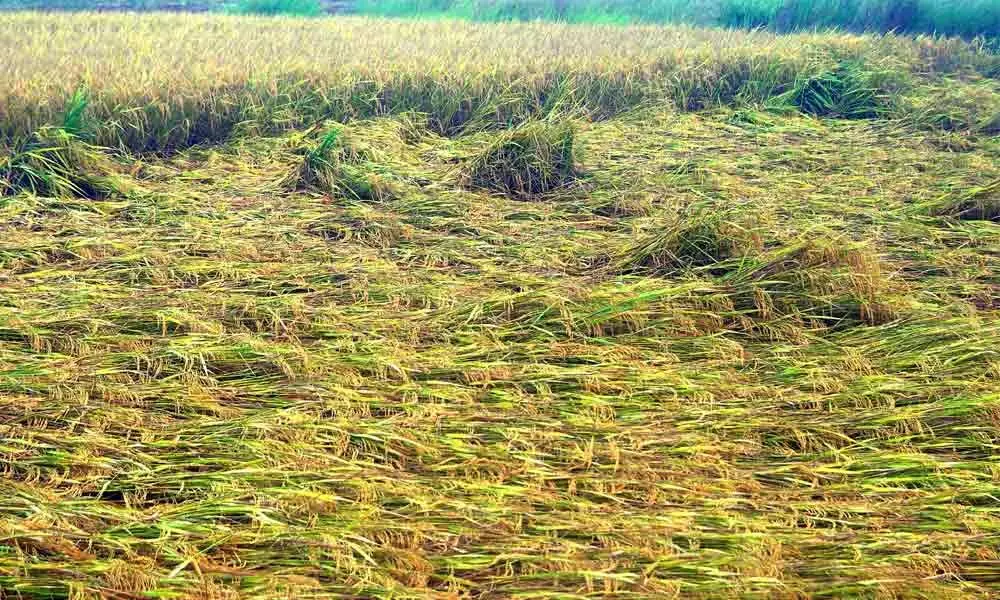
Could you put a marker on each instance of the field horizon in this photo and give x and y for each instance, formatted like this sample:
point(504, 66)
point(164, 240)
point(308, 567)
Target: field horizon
point(375, 308)
point(962, 18)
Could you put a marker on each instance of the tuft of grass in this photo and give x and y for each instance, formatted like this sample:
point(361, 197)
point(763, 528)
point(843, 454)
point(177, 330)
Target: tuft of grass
point(848, 91)
point(976, 204)
point(956, 106)
point(531, 159)
point(73, 120)
point(55, 162)
point(820, 277)
point(699, 237)
point(335, 165)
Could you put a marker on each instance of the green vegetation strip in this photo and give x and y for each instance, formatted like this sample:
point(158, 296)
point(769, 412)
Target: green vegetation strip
point(958, 17)
point(966, 18)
